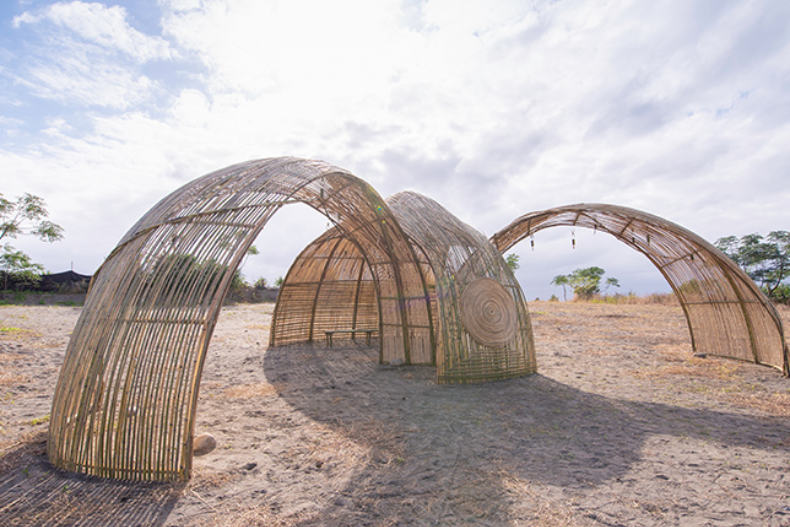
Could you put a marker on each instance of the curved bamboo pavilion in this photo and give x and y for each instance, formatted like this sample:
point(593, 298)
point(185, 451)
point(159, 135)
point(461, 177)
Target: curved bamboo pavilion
point(429, 288)
point(124, 406)
point(727, 314)
point(329, 291)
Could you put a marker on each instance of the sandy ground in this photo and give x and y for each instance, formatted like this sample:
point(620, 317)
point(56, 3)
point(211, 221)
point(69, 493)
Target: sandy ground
point(622, 426)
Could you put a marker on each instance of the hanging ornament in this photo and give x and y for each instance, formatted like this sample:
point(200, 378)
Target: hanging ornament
point(573, 239)
point(532, 241)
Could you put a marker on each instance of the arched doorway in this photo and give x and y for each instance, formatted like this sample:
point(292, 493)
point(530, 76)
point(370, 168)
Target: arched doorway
point(125, 401)
point(727, 314)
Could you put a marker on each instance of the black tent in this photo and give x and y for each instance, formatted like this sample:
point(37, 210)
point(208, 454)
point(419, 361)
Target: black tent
point(51, 282)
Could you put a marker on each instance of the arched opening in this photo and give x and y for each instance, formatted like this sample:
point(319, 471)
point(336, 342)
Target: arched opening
point(125, 401)
point(564, 249)
point(726, 312)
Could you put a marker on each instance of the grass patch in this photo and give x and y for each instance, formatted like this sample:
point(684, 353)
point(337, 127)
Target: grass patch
point(248, 391)
point(39, 420)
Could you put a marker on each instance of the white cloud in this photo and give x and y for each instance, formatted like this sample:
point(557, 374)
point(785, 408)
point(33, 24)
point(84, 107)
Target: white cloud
point(101, 25)
point(88, 55)
point(78, 79)
point(493, 108)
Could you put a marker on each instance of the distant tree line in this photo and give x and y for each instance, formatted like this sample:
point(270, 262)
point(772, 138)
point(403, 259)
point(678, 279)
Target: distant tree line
point(765, 259)
point(585, 283)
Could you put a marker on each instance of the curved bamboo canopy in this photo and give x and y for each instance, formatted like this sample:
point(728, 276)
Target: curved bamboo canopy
point(727, 314)
point(463, 261)
point(125, 401)
point(429, 288)
point(124, 406)
point(328, 290)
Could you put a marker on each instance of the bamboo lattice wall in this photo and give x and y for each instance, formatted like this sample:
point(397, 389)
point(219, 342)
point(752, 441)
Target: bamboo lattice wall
point(125, 401)
point(727, 314)
point(329, 287)
point(460, 256)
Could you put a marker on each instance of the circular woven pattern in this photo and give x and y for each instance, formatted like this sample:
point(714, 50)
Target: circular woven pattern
point(488, 313)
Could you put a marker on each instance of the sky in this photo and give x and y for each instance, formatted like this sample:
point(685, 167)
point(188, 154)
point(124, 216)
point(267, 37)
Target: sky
point(493, 108)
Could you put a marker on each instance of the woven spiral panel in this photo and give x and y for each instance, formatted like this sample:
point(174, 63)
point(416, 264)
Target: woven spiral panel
point(495, 340)
point(488, 313)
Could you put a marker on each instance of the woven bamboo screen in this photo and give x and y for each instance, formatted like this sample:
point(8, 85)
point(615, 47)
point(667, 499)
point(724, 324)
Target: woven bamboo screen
point(125, 401)
point(727, 314)
point(329, 287)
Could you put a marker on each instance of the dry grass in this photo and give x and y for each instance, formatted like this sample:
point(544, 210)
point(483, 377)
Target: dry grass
point(663, 299)
point(770, 403)
point(8, 333)
point(11, 357)
point(546, 513)
point(8, 374)
point(694, 367)
point(11, 378)
point(248, 391)
point(236, 515)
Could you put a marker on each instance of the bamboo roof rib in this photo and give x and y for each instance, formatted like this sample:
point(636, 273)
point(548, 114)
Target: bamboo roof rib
point(727, 314)
point(428, 289)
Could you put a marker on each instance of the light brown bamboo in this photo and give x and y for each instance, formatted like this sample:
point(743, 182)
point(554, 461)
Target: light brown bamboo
point(727, 313)
point(125, 401)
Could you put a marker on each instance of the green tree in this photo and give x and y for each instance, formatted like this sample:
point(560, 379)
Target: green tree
point(765, 259)
point(24, 216)
point(611, 282)
point(585, 283)
point(512, 261)
point(561, 280)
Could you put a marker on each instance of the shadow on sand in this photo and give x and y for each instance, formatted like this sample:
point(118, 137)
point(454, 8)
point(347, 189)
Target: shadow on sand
point(477, 454)
point(33, 492)
point(464, 447)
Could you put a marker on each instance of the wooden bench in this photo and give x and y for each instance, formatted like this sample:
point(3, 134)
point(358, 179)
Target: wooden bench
point(367, 331)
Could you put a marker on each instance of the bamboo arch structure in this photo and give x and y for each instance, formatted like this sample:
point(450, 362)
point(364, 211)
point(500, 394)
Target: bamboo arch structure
point(727, 314)
point(125, 401)
point(329, 288)
point(124, 405)
point(433, 290)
